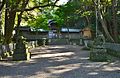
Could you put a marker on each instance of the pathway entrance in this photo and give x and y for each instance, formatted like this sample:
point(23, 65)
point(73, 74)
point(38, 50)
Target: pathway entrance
point(63, 61)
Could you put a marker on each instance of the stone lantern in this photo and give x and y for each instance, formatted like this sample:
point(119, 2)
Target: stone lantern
point(20, 51)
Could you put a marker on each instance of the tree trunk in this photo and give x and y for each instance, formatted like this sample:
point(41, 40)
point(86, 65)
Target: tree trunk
point(114, 20)
point(9, 25)
point(0, 26)
point(1, 6)
point(87, 20)
point(10, 15)
point(103, 22)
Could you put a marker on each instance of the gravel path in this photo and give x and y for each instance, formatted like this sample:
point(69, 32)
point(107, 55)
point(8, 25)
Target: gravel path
point(59, 62)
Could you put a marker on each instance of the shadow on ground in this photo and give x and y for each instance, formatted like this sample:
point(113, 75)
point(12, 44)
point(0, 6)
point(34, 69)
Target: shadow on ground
point(64, 61)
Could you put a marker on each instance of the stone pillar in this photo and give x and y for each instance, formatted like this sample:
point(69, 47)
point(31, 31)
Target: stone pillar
point(21, 52)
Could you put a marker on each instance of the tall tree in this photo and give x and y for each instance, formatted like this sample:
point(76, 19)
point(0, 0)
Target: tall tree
point(97, 3)
point(10, 14)
point(14, 7)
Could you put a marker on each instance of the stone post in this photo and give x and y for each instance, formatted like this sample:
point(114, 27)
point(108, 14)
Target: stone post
point(20, 52)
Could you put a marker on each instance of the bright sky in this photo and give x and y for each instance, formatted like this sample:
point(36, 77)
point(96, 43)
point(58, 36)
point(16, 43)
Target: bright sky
point(60, 2)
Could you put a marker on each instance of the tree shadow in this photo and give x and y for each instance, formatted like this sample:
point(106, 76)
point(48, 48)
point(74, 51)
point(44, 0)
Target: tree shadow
point(59, 62)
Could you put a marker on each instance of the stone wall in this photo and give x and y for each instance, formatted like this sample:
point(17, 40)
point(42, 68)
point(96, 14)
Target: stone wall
point(113, 49)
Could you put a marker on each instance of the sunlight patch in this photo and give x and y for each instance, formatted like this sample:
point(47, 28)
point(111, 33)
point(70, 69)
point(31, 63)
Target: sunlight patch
point(92, 73)
point(63, 68)
point(107, 68)
point(53, 55)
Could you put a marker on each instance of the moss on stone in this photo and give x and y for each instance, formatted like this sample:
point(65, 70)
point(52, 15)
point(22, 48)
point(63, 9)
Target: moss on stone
point(98, 55)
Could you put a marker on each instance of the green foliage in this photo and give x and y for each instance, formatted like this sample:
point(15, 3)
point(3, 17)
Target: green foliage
point(70, 14)
point(39, 22)
point(86, 13)
point(73, 14)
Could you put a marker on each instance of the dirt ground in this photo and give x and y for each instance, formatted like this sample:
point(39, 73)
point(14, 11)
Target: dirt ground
point(59, 61)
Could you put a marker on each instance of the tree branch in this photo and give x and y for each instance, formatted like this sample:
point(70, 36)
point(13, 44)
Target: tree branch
point(2, 4)
point(35, 7)
point(56, 2)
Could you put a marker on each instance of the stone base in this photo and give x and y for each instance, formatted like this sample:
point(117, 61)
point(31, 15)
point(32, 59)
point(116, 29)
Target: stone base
point(113, 53)
point(98, 55)
point(21, 56)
